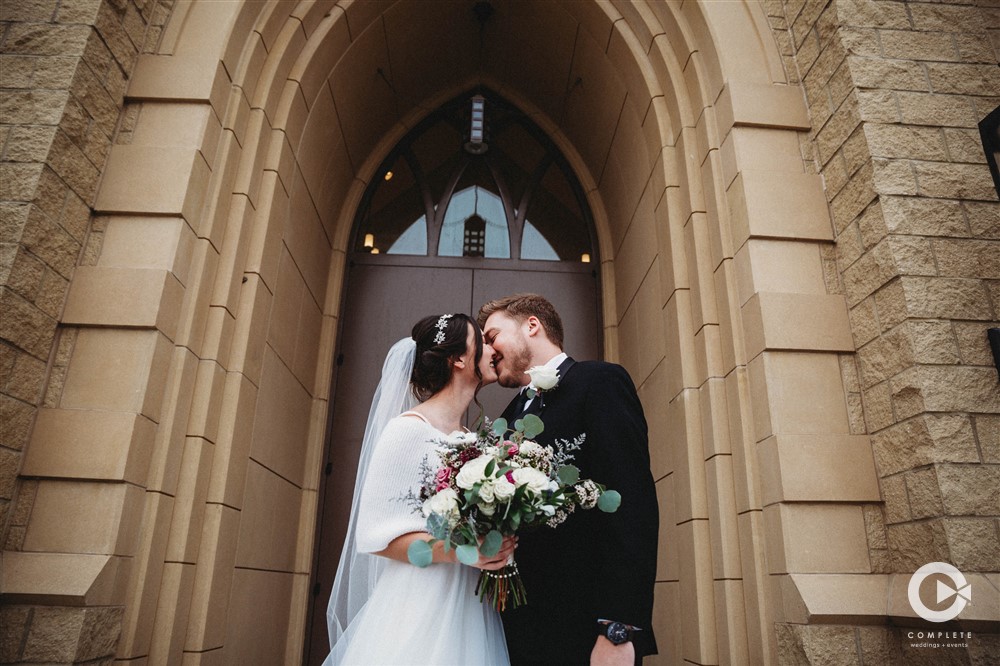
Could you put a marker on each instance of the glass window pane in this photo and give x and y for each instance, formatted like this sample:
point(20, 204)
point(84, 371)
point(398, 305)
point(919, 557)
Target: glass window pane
point(466, 206)
point(534, 245)
point(396, 220)
point(439, 152)
point(516, 154)
point(413, 240)
point(557, 224)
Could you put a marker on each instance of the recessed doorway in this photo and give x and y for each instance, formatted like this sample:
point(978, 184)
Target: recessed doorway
point(445, 227)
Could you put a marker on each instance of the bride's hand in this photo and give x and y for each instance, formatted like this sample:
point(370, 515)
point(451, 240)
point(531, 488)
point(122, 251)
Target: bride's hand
point(498, 561)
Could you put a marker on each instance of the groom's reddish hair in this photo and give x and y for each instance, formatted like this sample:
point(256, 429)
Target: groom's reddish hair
point(522, 306)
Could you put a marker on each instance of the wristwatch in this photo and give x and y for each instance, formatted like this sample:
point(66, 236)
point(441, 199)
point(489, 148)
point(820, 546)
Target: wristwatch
point(617, 632)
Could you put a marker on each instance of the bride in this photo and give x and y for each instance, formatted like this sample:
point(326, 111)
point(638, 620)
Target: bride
point(384, 610)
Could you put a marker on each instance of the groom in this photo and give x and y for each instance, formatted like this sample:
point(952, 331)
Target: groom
point(589, 581)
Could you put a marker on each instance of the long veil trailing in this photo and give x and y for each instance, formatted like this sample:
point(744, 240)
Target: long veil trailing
point(357, 572)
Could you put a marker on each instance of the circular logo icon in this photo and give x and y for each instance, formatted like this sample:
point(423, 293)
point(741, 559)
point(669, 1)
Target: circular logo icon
point(960, 589)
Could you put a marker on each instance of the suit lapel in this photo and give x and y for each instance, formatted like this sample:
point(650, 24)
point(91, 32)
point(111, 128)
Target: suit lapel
point(565, 366)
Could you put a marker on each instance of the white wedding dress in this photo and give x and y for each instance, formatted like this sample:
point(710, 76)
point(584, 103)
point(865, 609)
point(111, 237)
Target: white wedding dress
point(413, 615)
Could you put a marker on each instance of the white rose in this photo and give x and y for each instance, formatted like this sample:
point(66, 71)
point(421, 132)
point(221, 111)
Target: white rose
point(503, 489)
point(543, 378)
point(472, 472)
point(487, 509)
point(443, 503)
point(535, 480)
point(548, 509)
point(486, 492)
point(528, 448)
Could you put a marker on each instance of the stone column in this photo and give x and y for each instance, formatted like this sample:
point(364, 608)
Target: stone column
point(895, 91)
point(64, 68)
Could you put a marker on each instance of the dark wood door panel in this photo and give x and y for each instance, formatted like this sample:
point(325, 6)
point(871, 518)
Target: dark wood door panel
point(382, 304)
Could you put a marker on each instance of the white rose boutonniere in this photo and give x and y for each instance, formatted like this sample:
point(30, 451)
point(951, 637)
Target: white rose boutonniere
point(542, 379)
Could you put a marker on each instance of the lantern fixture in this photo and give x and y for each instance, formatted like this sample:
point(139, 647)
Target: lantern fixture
point(477, 127)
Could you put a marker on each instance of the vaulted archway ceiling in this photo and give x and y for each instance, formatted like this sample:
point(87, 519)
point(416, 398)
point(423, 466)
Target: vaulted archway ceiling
point(410, 53)
point(611, 84)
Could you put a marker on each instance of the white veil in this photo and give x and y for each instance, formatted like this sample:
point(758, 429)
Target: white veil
point(357, 572)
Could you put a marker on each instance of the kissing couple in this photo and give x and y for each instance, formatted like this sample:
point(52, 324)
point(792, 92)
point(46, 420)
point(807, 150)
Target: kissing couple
point(589, 582)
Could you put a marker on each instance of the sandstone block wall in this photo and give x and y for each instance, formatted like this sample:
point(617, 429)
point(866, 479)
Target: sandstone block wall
point(64, 69)
point(895, 92)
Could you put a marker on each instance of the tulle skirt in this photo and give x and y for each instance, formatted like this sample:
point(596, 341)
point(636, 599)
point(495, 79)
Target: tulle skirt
point(423, 617)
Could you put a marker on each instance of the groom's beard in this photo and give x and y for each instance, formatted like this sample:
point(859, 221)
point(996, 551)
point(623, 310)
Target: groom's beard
point(513, 367)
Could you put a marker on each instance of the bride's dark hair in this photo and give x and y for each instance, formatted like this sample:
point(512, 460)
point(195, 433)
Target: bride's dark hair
point(432, 366)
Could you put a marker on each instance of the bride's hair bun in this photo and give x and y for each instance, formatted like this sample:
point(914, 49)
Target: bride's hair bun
point(440, 340)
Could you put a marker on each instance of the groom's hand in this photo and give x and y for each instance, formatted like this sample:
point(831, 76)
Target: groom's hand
point(606, 653)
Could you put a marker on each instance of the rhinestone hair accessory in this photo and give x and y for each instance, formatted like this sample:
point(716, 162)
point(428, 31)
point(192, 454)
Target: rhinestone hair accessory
point(440, 326)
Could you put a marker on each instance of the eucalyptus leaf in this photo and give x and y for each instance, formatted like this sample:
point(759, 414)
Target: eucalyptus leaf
point(500, 426)
point(467, 554)
point(532, 426)
point(491, 544)
point(609, 501)
point(420, 553)
point(437, 525)
point(568, 475)
point(519, 425)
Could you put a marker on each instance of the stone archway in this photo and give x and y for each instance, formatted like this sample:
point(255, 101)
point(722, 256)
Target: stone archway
point(260, 124)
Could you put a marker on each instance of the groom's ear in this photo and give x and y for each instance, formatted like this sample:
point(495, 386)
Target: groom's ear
point(534, 326)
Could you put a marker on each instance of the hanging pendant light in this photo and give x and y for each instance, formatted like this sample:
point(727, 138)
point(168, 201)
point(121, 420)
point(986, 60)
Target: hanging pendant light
point(477, 127)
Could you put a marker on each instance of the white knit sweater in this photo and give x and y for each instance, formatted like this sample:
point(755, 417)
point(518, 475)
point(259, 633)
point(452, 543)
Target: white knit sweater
point(394, 470)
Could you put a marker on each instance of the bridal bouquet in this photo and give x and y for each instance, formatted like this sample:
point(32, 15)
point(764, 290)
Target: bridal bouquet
point(488, 485)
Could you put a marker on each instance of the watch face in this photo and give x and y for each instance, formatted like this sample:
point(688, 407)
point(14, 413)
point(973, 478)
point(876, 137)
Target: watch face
point(617, 633)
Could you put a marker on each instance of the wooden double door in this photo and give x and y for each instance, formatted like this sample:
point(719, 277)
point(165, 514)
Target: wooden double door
point(385, 296)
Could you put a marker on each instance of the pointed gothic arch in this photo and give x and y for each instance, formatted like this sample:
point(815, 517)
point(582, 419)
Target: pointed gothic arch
point(264, 123)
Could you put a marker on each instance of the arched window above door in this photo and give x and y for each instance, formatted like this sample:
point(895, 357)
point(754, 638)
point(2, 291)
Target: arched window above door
point(513, 196)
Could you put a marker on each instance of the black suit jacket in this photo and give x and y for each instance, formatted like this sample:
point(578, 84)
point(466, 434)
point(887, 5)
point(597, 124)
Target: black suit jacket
point(595, 565)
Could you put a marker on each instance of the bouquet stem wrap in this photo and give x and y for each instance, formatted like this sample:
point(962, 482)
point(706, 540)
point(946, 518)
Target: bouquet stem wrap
point(503, 588)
